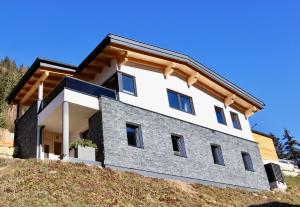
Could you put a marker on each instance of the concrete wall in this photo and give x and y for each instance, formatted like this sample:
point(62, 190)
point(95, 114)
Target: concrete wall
point(152, 95)
point(158, 156)
point(25, 134)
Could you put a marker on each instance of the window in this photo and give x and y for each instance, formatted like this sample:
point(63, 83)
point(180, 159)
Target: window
point(180, 102)
point(134, 136)
point(127, 84)
point(217, 154)
point(220, 115)
point(235, 120)
point(247, 161)
point(178, 145)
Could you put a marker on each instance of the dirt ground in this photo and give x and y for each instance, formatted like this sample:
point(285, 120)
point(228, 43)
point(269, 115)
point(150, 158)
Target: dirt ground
point(55, 183)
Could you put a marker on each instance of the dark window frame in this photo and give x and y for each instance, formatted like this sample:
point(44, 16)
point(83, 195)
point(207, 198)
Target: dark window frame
point(222, 114)
point(232, 114)
point(181, 151)
point(139, 141)
point(218, 157)
point(120, 83)
point(178, 94)
point(248, 165)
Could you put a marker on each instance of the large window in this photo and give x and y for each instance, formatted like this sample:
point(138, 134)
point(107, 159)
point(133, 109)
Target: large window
point(178, 145)
point(127, 84)
point(220, 115)
point(134, 135)
point(235, 120)
point(180, 102)
point(217, 154)
point(247, 161)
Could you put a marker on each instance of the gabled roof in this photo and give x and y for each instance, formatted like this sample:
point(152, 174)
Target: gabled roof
point(38, 63)
point(147, 48)
point(142, 48)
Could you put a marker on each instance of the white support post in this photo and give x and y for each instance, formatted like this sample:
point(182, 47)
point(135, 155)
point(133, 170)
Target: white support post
point(38, 138)
point(65, 129)
point(40, 94)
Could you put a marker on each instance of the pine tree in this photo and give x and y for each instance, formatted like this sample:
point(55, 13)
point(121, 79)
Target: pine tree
point(279, 147)
point(291, 146)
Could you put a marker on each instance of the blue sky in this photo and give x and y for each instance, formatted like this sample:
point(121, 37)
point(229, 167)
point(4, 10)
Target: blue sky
point(255, 44)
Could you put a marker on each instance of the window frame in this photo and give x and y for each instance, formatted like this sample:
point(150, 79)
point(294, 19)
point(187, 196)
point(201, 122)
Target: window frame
point(232, 114)
point(246, 165)
point(140, 143)
point(217, 160)
point(120, 83)
point(178, 94)
point(179, 152)
point(222, 114)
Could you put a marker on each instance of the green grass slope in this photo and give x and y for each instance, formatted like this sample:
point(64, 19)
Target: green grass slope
point(55, 183)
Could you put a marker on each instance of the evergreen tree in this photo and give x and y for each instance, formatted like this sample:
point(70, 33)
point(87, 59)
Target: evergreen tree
point(9, 76)
point(291, 146)
point(279, 147)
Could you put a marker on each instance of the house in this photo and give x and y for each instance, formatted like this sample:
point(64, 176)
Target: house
point(266, 147)
point(149, 110)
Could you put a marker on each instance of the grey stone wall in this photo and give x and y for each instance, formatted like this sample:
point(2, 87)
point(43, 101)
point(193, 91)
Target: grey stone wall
point(25, 134)
point(158, 156)
point(95, 134)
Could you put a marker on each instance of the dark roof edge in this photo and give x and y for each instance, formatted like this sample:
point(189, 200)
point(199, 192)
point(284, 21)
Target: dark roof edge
point(35, 65)
point(184, 58)
point(262, 133)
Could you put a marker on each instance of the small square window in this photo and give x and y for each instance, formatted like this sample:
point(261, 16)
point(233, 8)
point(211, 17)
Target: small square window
point(220, 115)
point(217, 154)
point(247, 161)
point(235, 120)
point(178, 145)
point(127, 84)
point(134, 136)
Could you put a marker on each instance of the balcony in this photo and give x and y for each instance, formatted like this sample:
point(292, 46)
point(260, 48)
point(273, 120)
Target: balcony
point(78, 86)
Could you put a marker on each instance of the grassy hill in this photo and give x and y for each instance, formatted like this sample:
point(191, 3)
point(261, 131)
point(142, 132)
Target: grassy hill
point(55, 183)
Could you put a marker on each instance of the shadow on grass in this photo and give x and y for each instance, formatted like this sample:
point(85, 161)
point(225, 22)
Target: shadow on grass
point(275, 204)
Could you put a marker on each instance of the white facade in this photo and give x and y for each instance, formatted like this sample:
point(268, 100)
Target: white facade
point(152, 88)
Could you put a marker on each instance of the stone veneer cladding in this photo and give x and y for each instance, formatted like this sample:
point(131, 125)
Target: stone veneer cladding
point(158, 156)
point(25, 134)
point(96, 134)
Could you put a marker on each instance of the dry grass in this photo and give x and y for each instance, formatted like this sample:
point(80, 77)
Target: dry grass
point(54, 183)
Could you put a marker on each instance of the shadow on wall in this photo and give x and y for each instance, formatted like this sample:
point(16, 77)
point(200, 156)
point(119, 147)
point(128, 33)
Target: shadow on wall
point(275, 204)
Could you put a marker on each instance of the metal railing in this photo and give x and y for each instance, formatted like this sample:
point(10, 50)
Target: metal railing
point(79, 86)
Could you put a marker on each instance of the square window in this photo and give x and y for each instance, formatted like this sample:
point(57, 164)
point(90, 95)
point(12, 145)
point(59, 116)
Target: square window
point(180, 102)
point(127, 84)
point(235, 120)
point(217, 154)
point(220, 115)
point(134, 136)
point(178, 145)
point(247, 161)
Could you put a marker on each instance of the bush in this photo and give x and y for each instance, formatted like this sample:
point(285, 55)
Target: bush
point(84, 143)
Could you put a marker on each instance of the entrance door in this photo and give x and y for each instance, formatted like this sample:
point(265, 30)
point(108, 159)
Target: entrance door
point(57, 148)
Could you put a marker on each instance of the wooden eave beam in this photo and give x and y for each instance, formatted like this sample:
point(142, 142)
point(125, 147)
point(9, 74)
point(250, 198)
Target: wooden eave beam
point(250, 111)
point(192, 79)
point(169, 70)
point(43, 77)
point(123, 59)
point(229, 99)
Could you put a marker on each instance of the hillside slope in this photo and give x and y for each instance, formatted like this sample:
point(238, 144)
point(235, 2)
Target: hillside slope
point(55, 183)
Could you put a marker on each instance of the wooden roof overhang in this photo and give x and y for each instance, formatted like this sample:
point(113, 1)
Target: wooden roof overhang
point(46, 71)
point(124, 51)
